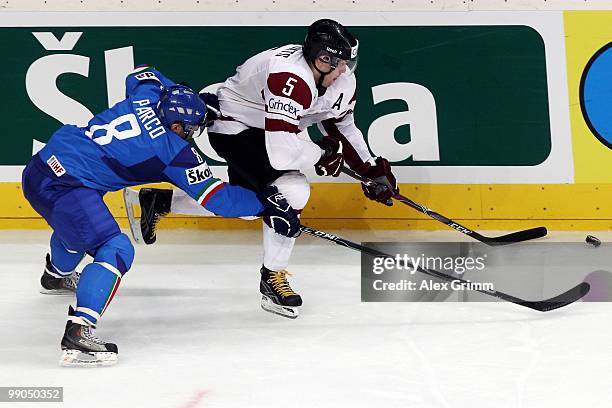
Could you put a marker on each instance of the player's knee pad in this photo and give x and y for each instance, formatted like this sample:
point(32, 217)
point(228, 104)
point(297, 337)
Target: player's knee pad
point(295, 188)
point(117, 252)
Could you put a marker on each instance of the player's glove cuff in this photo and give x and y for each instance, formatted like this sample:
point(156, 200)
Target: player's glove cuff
point(278, 214)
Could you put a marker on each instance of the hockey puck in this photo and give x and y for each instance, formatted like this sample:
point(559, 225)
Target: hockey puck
point(593, 240)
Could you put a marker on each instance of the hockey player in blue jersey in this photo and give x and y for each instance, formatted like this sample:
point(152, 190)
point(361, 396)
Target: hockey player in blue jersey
point(141, 139)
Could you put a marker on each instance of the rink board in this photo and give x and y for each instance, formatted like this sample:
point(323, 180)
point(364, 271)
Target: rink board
point(501, 207)
point(479, 112)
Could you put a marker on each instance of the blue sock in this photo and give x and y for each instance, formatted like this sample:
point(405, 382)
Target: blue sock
point(63, 259)
point(100, 280)
point(95, 290)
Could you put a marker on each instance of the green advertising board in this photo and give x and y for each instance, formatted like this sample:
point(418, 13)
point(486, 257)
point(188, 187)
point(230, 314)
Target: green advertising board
point(446, 96)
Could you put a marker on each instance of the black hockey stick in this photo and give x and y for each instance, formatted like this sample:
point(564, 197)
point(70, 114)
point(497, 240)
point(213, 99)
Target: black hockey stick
point(564, 299)
point(518, 236)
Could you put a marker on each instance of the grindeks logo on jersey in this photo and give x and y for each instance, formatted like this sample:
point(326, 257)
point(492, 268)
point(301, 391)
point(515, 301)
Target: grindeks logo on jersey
point(198, 174)
point(283, 106)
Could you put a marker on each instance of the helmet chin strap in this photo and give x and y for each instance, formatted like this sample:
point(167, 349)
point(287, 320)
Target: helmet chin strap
point(322, 77)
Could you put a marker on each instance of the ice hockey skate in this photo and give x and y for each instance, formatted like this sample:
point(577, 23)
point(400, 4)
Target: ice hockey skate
point(54, 283)
point(82, 348)
point(154, 204)
point(277, 296)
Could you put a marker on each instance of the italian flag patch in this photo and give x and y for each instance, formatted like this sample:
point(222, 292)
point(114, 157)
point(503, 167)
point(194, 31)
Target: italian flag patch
point(210, 187)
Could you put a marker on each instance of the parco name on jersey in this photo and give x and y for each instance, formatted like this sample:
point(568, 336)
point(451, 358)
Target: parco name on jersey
point(198, 174)
point(283, 107)
point(149, 119)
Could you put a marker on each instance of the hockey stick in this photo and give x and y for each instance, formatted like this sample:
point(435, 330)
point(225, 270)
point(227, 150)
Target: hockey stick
point(564, 299)
point(518, 236)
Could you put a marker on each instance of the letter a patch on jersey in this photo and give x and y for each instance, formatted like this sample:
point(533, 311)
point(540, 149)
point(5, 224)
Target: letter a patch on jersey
point(338, 102)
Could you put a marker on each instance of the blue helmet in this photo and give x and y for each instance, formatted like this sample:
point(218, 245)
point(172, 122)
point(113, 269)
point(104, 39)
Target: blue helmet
point(179, 103)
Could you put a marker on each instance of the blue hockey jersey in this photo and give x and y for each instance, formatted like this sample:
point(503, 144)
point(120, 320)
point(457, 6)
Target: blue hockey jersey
point(127, 145)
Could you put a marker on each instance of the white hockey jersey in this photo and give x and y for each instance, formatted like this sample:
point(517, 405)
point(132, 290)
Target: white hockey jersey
point(275, 90)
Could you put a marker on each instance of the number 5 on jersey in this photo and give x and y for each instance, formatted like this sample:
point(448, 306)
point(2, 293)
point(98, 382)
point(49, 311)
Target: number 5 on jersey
point(288, 88)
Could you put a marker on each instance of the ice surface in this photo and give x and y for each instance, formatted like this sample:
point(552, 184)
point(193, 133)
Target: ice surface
point(191, 334)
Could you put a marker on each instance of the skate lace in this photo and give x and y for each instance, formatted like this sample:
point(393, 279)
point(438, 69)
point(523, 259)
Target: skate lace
point(88, 334)
point(155, 220)
point(70, 282)
point(278, 280)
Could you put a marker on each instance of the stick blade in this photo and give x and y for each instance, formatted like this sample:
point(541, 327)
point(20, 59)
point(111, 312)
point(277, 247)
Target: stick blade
point(519, 236)
point(574, 294)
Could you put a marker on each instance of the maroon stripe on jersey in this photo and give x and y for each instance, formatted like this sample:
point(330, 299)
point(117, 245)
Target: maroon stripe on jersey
point(351, 157)
point(277, 125)
point(288, 85)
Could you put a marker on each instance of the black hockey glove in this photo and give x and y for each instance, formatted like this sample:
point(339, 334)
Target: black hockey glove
point(213, 111)
point(330, 164)
point(386, 185)
point(278, 214)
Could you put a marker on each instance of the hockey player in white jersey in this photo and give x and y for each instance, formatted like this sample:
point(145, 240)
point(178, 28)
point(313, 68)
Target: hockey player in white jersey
point(272, 97)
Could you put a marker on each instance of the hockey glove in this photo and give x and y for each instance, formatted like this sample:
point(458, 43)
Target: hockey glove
point(330, 164)
point(278, 214)
point(213, 111)
point(386, 185)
